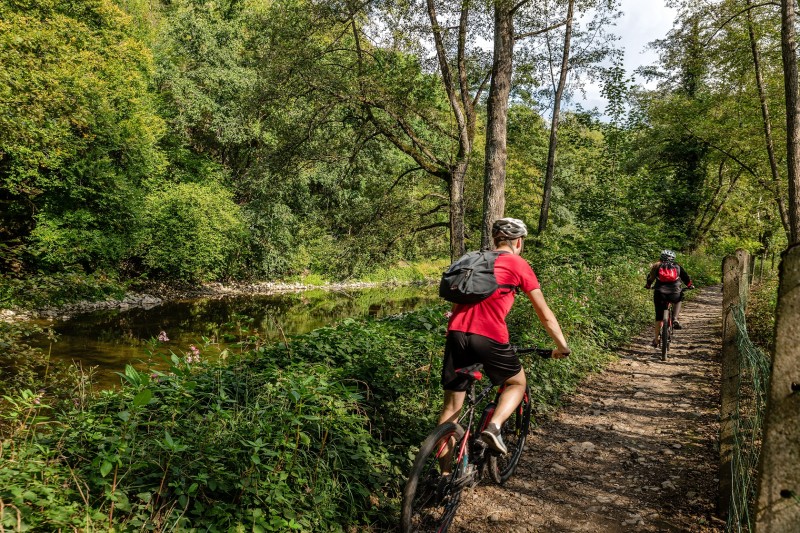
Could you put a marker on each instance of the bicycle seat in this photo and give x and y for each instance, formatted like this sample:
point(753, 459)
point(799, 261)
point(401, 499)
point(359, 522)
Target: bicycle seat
point(472, 372)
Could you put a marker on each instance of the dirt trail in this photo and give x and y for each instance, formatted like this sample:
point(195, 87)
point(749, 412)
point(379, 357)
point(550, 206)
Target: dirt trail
point(634, 449)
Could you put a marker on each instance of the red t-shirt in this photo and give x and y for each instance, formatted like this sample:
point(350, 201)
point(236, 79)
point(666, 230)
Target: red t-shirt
point(488, 317)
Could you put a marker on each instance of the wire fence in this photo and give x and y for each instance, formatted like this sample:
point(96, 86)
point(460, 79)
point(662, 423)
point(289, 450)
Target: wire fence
point(748, 419)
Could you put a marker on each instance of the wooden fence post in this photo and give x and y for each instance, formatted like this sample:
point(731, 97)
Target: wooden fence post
point(733, 280)
point(778, 504)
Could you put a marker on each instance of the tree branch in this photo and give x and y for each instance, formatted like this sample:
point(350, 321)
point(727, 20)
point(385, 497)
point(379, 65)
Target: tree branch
point(539, 32)
point(743, 11)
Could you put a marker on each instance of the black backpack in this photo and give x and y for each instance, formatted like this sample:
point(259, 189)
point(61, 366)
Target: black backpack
point(470, 279)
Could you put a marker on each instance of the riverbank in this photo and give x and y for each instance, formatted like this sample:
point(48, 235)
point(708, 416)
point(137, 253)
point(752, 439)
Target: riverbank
point(157, 294)
point(23, 303)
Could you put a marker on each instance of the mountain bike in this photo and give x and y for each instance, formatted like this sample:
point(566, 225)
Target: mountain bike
point(667, 326)
point(430, 499)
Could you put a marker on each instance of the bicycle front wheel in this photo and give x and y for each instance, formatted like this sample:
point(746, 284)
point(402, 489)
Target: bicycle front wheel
point(430, 499)
point(514, 432)
point(665, 333)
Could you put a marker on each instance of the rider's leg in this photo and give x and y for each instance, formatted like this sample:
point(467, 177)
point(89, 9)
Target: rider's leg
point(512, 395)
point(659, 305)
point(676, 309)
point(453, 400)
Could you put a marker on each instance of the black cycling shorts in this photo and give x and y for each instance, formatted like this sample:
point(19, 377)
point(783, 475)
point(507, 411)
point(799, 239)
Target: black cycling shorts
point(660, 300)
point(465, 349)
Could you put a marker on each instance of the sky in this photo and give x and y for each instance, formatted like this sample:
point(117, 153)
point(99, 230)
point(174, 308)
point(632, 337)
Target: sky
point(642, 21)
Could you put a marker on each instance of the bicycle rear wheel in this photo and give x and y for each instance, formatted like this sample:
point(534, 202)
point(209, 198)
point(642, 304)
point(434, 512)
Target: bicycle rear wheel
point(665, 333)
point(429, 499)
point(514, 433)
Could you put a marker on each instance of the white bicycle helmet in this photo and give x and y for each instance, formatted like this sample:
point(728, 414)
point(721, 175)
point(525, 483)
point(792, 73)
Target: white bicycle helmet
point(509, 228)
point(667, 255)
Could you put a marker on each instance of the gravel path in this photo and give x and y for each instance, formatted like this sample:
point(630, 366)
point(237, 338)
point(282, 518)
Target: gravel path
point(634, 449)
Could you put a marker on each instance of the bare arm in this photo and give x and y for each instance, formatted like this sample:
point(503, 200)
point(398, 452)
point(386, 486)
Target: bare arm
point(548, 320)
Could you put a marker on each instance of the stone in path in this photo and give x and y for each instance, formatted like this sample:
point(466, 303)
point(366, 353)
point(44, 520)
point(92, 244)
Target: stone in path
point(634, 447)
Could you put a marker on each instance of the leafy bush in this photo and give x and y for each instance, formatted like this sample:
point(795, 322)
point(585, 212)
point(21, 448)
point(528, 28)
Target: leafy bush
point(192, 232)
point(25, 368)
point(45, 290)
point(704, 269)
point(79, 131)
point(728, 245)
point(761, 307)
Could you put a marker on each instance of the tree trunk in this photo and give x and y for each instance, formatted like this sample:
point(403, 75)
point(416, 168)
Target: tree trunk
point(767, 122)
point(457, 245)
point(463, 111)
point(494, 174)
point(551, 153)
point(789, 53)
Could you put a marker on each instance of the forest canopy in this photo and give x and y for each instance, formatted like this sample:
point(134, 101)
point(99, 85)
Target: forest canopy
point(208, 140)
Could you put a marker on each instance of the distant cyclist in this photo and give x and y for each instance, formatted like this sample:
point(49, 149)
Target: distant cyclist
point(477, 333)
point(667, 275)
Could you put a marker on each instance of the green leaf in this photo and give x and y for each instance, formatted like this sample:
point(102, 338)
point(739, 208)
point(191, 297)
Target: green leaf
point(143, 398)
point(105, 468)
point(124, 415)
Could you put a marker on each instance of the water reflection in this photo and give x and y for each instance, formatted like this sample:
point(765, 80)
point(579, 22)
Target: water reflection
point(111, 339)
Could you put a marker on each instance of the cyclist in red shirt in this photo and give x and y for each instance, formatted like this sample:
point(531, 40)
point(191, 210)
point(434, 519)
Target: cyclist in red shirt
point(477, 333)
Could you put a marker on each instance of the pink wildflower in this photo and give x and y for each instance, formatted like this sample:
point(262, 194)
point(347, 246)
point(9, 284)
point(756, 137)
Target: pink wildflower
point(162, 336)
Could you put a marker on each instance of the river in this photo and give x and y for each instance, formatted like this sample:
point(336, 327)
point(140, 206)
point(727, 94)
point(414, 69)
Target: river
point(104, 342)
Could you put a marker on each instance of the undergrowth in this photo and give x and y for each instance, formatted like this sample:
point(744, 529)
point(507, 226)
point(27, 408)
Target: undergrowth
point(761, 306)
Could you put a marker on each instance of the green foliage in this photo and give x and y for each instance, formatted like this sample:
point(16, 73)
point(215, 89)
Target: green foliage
point(408, 272)
point(704, 269)
point(53, 289)
point(728, 245)
point(24, 368)
point(761, 307)
point(192, 232)
point(78, 131)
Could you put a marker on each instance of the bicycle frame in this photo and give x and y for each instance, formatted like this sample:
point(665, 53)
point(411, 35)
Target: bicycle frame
point(467, 421)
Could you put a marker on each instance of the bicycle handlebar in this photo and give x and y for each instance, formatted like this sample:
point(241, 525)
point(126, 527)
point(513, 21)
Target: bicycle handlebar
point(545, 353)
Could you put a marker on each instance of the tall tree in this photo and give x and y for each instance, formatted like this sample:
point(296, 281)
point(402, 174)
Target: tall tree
point(508, 18)
point(79, 134)
point(774, 186)
point(790, 76)
point(524, 23)
point(551, 153)
point(463, 76)
point(494, 174)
